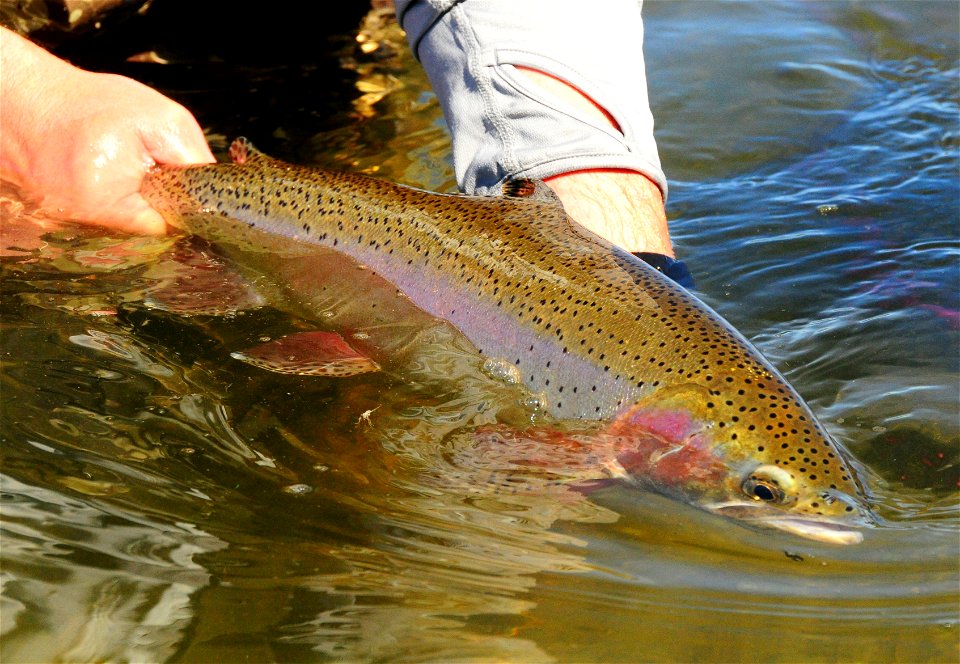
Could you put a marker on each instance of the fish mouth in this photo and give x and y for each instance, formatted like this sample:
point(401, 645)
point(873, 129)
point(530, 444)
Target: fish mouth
point(814, 528)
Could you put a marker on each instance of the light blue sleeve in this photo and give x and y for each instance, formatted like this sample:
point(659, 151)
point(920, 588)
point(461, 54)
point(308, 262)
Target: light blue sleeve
point(506, 127)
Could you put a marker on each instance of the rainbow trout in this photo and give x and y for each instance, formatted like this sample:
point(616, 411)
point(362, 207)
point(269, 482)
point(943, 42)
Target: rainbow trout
point(593, 332)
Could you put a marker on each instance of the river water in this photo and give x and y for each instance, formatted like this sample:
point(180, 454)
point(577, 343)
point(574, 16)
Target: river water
point(162, 502)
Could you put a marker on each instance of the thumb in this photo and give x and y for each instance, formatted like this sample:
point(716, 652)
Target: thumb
point(147, 221)
point(134, 215)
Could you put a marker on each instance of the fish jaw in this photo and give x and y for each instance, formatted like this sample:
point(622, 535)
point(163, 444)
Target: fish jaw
point(819, 529)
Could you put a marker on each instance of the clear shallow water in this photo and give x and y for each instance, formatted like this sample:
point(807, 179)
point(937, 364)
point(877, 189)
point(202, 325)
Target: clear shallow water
point(162, 502)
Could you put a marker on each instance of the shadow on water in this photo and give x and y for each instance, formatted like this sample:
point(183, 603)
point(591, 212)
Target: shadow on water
point(162, 501)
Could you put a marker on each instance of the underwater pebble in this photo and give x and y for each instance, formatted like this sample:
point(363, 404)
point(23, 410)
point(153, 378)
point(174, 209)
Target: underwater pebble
point(298, 489)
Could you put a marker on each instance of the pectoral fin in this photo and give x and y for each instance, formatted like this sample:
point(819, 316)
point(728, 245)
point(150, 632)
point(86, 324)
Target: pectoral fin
point(196, 282)
point(309, 354)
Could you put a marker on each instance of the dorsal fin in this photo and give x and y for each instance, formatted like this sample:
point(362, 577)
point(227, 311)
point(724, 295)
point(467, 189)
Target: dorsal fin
point(535, 190)
point(242, 151)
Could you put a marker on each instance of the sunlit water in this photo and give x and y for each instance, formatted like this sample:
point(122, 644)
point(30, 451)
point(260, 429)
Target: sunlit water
point(164, 502)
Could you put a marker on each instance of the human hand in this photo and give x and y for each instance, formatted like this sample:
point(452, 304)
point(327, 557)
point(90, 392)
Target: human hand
point(79, 143)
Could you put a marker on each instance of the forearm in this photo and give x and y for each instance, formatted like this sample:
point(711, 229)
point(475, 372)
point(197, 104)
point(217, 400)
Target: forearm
point(624, 207)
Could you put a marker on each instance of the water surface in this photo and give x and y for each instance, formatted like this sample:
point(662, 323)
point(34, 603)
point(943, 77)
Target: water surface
point(164, 502)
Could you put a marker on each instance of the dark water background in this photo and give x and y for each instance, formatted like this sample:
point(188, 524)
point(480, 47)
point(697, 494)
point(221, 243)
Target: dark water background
point(163, 502)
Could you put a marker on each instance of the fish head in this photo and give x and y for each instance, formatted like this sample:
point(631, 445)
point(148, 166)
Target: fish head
point(696, 443)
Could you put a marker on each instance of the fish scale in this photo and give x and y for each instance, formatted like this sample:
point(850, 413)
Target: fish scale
point(593, 331)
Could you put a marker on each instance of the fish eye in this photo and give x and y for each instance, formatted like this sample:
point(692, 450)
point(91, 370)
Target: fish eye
point(768, 493)
point(769, 484)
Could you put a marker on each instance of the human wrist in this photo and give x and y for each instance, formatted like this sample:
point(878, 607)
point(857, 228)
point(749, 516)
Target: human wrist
point(624, 207)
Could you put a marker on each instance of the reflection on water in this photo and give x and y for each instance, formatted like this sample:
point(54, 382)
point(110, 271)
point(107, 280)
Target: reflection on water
point(162, 501)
